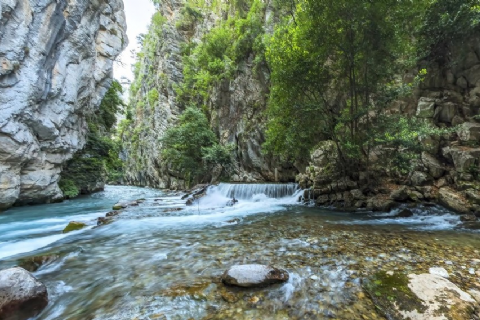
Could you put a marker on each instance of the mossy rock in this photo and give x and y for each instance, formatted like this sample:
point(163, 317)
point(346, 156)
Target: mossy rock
point(117, 207)
point(390, 293)
point(73, 226)
point(32, 264)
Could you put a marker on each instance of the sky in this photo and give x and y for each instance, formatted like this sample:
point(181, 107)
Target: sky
point(138, 14)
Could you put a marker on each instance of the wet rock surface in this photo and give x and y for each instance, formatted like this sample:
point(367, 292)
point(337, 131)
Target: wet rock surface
point(21, 295)
point(254, 275)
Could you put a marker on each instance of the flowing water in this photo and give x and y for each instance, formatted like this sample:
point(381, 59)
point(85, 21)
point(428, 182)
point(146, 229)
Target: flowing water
point(163, 260)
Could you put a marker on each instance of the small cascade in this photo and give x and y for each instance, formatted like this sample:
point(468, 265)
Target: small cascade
point(248, 191)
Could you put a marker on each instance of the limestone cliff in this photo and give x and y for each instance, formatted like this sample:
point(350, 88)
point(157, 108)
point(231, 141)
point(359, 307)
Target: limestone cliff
point(56, 61)
point(235, 105)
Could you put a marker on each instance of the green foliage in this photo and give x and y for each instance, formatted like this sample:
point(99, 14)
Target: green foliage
point(152, 96)
point(99, 160)
point(191, 147)
point(190, 16)
point(218, 154)
point(111, 105)
point(448, 22)
point(334, 66)
point(68, 188)
point(217, 56)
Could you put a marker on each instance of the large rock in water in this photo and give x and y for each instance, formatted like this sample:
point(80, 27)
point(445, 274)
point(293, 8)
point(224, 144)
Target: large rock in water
point(21, 295)
point(56, 60)
point(419, 297)
point(254, 275)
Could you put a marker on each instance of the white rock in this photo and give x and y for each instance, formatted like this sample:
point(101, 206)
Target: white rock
point(439, 296)
point(55, 67)
point(439, 272)
point(254, 275)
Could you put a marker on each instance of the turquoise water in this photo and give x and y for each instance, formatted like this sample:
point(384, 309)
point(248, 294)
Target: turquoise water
point(163, 260)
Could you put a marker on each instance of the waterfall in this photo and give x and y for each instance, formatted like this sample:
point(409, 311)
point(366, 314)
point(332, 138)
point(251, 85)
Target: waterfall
point(247, 191)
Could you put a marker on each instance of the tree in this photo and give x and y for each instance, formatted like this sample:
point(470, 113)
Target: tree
point(191, 147)
point(334, 70)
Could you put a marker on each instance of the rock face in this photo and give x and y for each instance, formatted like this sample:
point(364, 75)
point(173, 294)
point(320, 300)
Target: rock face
point(235, 105)
point(21, 295)
point(254, 275)
point(56, 62)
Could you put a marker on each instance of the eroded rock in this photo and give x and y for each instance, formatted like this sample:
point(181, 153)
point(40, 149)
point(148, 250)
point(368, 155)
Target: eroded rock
point(254, 275)
point(21, 295)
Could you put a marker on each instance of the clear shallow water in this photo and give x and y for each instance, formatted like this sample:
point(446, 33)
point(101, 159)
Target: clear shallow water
point(155, 262)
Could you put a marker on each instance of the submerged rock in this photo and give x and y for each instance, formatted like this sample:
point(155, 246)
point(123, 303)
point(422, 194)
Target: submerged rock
point(21, 295)
point(254, 275)
point(468, 218)
point(231, 203)
point(73, 226)
point(125, 204)
point(32, 264)
point(405, 213)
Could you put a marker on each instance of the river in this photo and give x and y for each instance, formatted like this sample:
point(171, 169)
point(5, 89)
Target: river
point(159, 262)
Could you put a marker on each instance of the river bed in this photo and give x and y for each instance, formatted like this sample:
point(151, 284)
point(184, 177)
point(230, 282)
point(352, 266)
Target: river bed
point(155, 262)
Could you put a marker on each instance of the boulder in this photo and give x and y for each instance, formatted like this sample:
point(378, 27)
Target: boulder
point(21, 295)
point(435, 168)
point(468, 218)
point(426, 108)
point(254, 275)
point(441, 298)
point(473, 196)
point(464, 159)
point(401, 194)
point(380, 204)
point(445, 112)
point(452, 200)
point(419, 178)
point(405, 213)
point(358, 194)
point(469, 131)
point(419, 297)
point(73, 226)
point(104, 220)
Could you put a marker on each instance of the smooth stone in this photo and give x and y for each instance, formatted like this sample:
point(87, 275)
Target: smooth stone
point(22, 296)
point(254, 275)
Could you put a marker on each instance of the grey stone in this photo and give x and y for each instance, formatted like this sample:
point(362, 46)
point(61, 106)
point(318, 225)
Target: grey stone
point(452, 200)
point(435, 168)
point(254, 275)
point(21, 295)
point(419, 178)
point(426, 108)
point(401, 194)
point(473, 195)
point(445, 112)
point(469, 131)
point(55, 69)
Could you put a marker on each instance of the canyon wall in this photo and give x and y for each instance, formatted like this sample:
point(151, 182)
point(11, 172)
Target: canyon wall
point(56, 60)
point(235, 106)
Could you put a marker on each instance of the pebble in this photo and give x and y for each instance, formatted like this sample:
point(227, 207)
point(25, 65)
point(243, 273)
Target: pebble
point(314, 277)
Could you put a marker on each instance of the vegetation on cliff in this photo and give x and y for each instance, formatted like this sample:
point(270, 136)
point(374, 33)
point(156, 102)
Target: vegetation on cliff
point(98, 162)
point(343, 71)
